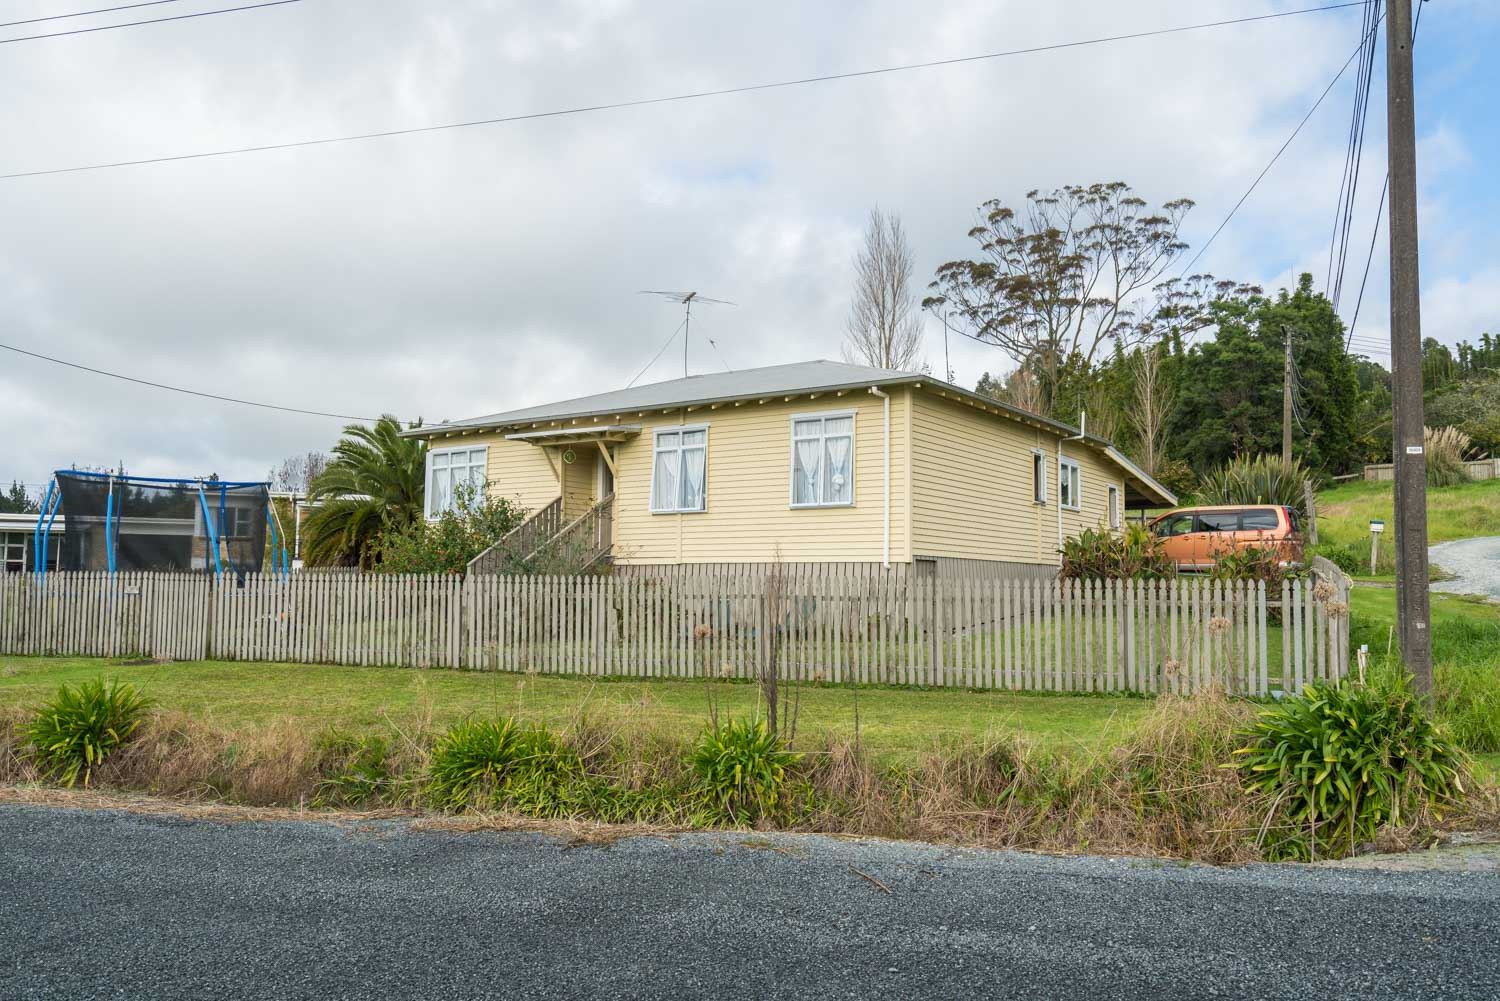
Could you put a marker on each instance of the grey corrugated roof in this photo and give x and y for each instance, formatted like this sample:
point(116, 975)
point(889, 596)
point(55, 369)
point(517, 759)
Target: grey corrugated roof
point(748, 384)
point(802, 377)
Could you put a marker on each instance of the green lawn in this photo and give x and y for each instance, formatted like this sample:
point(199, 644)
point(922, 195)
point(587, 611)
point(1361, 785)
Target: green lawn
point(1461, 512)
point(892, 721)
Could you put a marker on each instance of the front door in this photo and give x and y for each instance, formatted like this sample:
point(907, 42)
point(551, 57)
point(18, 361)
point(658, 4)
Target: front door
point(604, 482)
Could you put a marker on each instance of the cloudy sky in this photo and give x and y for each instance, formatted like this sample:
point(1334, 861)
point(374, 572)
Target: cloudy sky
point(456, 273)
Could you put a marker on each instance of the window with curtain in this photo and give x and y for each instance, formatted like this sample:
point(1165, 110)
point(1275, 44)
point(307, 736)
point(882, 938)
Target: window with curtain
point(1038, 478)
point(449, 470)
point(679, 471)
point(1068, 494)
point(823, 461)
point(1114, 507)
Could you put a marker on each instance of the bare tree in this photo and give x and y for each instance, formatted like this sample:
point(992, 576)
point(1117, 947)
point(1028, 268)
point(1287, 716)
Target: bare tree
point(1022, 390)
point(1154, 398)
point(296, 472)
point(1055, 284)
point(884, 326)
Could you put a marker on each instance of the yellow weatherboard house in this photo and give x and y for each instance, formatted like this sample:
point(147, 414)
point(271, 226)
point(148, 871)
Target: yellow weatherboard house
point(812, 463)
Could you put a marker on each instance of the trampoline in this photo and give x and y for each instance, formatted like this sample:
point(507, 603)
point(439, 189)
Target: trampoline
point(133, 523)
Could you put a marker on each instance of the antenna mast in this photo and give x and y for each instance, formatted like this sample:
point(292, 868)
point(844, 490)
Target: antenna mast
point(687, 299)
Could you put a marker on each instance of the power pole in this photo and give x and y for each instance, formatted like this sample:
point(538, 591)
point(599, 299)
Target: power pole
point(1286, 398)
point(1412, 612)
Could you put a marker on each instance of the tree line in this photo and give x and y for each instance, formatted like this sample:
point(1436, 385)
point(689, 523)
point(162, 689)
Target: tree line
point(1080, 289)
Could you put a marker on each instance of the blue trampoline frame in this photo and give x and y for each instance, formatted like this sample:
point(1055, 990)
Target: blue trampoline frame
point(52, 503)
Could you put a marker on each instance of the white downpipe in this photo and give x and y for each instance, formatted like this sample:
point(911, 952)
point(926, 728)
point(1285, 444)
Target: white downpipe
point(1083, 433)
point(886, 400)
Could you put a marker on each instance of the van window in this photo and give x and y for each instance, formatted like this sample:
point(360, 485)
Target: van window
point(1218, 521)
point(1261, 519)
point(1178, 524)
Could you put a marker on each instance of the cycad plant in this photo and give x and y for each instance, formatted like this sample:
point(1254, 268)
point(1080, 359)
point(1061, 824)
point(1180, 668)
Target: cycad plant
point(1258, 479)
point(373, 484)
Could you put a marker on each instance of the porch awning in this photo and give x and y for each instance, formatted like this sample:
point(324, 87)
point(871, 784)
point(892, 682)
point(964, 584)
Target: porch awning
point(575, 436)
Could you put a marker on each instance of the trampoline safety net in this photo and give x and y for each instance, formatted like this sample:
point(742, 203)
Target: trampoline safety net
point(121, 523)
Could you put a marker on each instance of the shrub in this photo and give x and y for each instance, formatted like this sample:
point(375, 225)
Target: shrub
point(1340, 762)
point(1254, 563)
point(1177, 476)
point(72, 735)
point(1261, 479)
point(741, 767)
point(1445, 449)
point(495, 764)
point(1130, 554)
point(448, 544)
point(1346, 558)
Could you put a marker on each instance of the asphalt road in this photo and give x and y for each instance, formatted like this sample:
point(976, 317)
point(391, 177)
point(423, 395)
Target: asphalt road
point(108, 904)
point(1474, 563)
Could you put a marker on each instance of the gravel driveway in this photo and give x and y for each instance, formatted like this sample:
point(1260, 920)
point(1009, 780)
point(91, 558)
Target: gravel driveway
point(102, 904)
point(1475, 564)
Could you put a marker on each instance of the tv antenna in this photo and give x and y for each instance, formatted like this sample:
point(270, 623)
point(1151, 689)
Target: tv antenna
point(686, 299)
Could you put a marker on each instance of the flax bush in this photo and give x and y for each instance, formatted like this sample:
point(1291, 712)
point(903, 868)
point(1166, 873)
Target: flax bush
point(1261, 479)
point(741, 767)
point(84, 724)
point(498, 764)
point(1339, 763)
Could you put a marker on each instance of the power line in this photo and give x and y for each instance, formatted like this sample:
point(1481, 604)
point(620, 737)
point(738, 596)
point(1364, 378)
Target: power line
point(179, 389)
point(132, 24)
point(658, 354)
point(1379, 210)
point(1353, 158)
point(1370, 254)
point(690, 96)
point(86, 13)
point(1267, 169)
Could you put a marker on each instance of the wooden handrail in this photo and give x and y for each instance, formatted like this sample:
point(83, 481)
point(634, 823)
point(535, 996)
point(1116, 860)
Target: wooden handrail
point(591, 533)
point(538, 528)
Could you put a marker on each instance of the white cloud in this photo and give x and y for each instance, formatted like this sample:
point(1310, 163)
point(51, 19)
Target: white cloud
point(457, 273)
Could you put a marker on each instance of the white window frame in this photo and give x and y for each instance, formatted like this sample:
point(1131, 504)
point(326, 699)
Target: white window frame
point(427, 491)
point(1114, 515)
point(791, 458)
point(1075, 483)
point(1038, 476)
point(656, 433)
point(238, 522)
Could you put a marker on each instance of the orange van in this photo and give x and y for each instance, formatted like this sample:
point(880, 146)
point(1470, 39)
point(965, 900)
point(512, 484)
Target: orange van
point(1195, 537)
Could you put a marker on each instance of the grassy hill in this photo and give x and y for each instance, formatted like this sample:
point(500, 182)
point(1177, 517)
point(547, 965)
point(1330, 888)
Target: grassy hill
point(1461, 512)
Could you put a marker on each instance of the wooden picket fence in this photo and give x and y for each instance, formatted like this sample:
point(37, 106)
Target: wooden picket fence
point(1032, 635)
